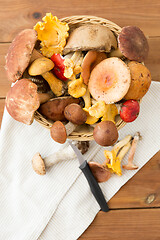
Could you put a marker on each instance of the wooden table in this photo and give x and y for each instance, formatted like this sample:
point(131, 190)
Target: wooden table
point(135, 209)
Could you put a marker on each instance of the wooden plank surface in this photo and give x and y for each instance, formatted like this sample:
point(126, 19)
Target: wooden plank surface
point(128, 224)
point(16, 15)
point(127, 219)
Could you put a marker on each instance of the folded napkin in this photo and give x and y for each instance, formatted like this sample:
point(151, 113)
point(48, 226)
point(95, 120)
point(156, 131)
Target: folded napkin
point(59, 205)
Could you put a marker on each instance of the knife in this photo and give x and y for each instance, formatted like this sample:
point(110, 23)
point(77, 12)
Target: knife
point(94, 186)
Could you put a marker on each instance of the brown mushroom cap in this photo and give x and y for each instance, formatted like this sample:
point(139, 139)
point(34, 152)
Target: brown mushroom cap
point(140, 81)
point(133, 43)
point(100, 173)
point(75, 114)
point(58, 132)
point(19, 54)
point(54, 108)
point(105, 133)
point(22, 101)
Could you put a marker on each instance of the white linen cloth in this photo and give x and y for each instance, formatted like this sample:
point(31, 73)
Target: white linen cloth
point(60, 205)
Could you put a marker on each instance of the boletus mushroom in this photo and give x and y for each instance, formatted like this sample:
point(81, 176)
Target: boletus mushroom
point(76, 116)
point(19, 54)
point(132, 43)
point(105, 133)
point(23, 100)
point(90, 37)
point(110, 80)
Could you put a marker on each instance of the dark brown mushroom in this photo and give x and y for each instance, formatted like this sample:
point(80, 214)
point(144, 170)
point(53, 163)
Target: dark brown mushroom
point(19, 54)
point(132, 43)
point(75, 114)
point(100, 173)
point(105, 133)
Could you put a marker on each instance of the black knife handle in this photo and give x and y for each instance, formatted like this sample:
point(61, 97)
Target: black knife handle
point(95, 188)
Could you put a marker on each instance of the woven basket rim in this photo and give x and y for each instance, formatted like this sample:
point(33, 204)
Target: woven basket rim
point(73, 21)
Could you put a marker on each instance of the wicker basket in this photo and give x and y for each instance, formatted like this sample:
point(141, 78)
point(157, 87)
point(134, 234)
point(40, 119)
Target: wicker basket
point(83, 132)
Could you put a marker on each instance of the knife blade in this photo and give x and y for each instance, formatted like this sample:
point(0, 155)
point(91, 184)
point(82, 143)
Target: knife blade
point(94, 186)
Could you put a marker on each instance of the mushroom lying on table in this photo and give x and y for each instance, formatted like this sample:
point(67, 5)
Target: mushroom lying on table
point(23, 100)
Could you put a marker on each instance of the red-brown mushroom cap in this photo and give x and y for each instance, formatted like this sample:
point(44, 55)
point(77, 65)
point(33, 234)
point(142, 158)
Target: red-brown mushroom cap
point(105, 133)
point(22, 101)
point(19, 54)
point(133, 43)
point(58, 132)
point(75, 114)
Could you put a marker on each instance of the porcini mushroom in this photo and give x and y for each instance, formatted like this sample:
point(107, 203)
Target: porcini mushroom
point(130, 165)
point(19, 54)
point(23, 100)
point(76, 116)
point(132, 43)
point(105, 133)
point(90, 37)
point(40, 165)
point(110, 80)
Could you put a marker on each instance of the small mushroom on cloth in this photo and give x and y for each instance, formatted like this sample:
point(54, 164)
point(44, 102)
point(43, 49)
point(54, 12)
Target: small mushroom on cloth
point(101, 173)
point(90, 37)
point(40, 165)
point(140, 81)
point(114, 157)
point(110, 80)
point(19, 54)
point(132, 43)
point(23, 100)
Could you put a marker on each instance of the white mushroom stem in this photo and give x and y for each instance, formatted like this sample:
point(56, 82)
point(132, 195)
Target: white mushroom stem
point(40, 164)
point(130, 165)
point(64, 154)
point(70, 127)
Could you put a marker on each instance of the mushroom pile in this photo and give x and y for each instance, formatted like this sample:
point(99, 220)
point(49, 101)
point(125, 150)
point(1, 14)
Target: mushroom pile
point(84, 76)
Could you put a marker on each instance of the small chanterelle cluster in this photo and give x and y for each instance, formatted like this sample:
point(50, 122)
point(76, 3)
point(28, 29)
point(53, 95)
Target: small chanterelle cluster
point(82, 77)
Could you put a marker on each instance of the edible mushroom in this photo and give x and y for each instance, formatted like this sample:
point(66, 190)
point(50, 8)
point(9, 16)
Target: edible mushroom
point(90, 37)
point(110, 80)
point(19, 54)
point(132, 43)
point(40, 164)
point(105, 133)
point(42, 66)
point(23, 100)
point(76, 116)
point(100, 173)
